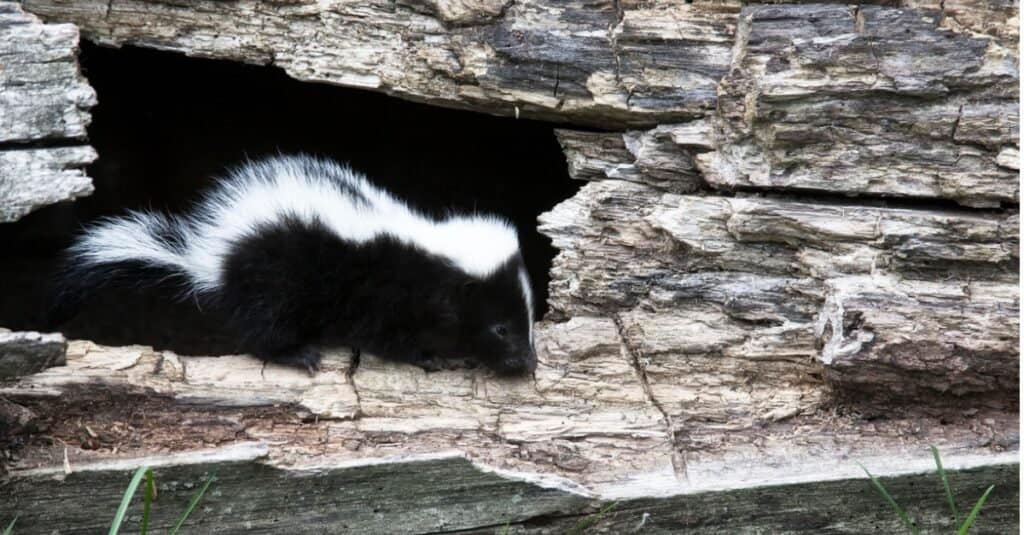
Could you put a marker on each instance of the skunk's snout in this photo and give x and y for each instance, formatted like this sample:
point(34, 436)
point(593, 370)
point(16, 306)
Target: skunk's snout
point(520, 364)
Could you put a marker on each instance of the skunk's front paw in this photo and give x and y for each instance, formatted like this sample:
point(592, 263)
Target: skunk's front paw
point(427, 361)
point(310, 359)
point(307, 358)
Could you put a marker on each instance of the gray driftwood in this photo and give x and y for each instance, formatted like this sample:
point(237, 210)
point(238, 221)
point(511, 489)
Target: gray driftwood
point(798, 249)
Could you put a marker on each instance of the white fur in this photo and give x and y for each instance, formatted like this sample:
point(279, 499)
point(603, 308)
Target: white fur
point(524, 286)
point(266, 191)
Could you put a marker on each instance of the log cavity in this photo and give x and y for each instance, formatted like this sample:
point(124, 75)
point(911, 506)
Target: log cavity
point(167, 125)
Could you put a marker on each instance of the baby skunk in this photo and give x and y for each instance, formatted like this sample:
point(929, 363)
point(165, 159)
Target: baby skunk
point(296, 253)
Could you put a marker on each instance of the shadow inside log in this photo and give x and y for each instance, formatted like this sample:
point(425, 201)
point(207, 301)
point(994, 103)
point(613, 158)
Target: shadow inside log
point(167, 125)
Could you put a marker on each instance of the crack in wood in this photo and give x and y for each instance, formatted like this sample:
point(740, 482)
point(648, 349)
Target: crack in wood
point(636, 360)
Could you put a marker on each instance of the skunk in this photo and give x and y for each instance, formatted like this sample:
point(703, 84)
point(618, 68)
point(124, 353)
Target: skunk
point(296, 253)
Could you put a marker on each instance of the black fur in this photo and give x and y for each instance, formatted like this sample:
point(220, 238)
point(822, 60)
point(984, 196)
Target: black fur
point(292, 288)
point(76, 284)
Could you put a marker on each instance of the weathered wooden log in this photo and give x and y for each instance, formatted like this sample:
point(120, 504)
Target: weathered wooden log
point(444, 494)
point(45, 101)
point(819, 97)
point(737, 303)
point(901, 336)
point(604, 413)
point(823, 98)
point(619, 240)
point(593, 63)
point(713, 276)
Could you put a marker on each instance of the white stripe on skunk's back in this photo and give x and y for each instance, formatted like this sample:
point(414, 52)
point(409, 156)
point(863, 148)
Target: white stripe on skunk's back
point(307, 188)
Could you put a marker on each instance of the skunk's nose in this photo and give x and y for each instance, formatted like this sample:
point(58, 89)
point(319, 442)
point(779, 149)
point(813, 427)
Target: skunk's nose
point(521, 364)
point(513, 366)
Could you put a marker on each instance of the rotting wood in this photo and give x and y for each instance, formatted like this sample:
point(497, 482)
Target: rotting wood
point(25, 353)
point(714, 279)
point(739, 301)
point(447, 494)
point(663, 157)
point(812, 97)
point(587, 418)
point(963, 339)
point(33, 178)
point(981, 17)
point(44, 101)
point(42, 93)
point(587, 62)
point(866, 99)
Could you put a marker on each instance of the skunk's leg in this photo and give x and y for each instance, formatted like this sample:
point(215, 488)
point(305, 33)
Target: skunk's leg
point(427, 361)
point(266, 336)
point(306, 356)
point(283, 346)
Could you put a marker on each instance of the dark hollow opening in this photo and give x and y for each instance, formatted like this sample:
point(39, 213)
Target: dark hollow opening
point(167, 125)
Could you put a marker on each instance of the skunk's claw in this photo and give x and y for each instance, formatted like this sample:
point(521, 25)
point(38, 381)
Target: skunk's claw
point(309, 359)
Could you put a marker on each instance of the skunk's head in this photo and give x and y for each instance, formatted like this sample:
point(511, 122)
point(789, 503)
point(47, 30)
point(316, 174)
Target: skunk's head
point(497, 320)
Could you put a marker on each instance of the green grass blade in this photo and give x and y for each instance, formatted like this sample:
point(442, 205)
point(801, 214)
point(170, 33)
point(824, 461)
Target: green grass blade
point(888, 497)
point(974, 512)
point(192, 505)
point(115, 526)
point(945, 485)
point(147, 500)
point(10, 527)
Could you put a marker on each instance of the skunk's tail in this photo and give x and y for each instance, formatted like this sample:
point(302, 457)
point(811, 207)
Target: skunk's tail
point(139, 250)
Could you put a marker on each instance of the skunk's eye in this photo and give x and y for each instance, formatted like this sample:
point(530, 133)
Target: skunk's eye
point(500, 330)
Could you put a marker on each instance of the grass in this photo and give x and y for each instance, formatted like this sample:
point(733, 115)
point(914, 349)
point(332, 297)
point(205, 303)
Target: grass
point(192, 504)
point(962, 528)
point(149, 495)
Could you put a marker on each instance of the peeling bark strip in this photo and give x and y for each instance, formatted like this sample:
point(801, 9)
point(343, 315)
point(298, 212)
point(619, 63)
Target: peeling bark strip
point(433, 496)
point(44, 101)
point(866, 100)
